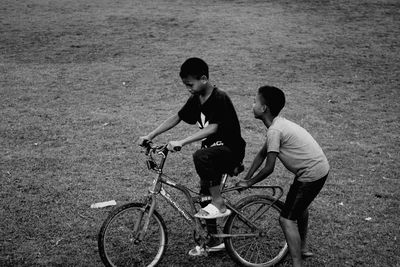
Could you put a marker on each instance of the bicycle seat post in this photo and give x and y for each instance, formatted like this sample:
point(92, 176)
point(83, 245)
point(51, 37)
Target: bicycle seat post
point(235, 172)
point(223, 181)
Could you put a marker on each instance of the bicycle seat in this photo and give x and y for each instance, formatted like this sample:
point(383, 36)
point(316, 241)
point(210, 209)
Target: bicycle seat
point(237, 170)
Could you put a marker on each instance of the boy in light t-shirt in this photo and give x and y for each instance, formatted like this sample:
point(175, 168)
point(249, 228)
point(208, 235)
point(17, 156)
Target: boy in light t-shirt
point(300, 154)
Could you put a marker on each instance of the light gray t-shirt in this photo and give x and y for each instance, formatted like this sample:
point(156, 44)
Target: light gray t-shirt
point(298, 150)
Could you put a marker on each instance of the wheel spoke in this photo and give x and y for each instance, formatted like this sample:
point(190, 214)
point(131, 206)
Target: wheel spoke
point(266, 249)
point(252, 251)
point(118, 244)
point(259, 254)
point(242, 247)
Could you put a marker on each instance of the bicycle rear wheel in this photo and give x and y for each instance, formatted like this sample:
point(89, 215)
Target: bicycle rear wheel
point(118, 241)
point(268, 246)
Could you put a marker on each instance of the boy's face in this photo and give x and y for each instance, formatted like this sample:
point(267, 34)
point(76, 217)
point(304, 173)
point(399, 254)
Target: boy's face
point(258, 106)
point(195, 86)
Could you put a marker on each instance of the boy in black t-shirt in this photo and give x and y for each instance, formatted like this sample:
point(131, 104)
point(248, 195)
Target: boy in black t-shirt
point(223, 147)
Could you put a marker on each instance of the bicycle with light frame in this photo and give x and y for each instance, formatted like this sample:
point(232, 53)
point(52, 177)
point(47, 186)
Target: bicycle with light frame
point(135, 234)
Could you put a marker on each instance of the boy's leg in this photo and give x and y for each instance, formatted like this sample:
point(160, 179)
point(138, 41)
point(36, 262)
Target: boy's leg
point(288, 223)
point(298, 199)
point(311, 193)
point(210, 223)
point(302, 223)
point(217, 199)
point(293, 239)
point(210, 164)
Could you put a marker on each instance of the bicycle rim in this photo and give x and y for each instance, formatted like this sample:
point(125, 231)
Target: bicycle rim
point(268, 246)
point(118, 242)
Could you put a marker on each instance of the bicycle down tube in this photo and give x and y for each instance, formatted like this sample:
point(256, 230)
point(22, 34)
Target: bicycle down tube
point(176, 205)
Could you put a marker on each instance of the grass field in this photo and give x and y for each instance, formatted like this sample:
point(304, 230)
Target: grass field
point(81, 80)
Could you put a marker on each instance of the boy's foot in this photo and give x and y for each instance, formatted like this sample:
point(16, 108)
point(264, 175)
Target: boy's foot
point(197, 251)
point(212, 212)
point(213, 246)
point(307, 254)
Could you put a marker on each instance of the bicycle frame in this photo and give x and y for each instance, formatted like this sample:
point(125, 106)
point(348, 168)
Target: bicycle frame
point(188, 217)
point(157, 189)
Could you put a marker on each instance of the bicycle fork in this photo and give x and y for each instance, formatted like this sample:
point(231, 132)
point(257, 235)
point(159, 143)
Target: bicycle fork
point(141, 231)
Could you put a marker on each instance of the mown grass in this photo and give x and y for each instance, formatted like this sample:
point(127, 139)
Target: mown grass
point(80, 81)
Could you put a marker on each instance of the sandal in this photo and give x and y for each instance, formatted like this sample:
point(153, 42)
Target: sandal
point(211, 212)
point(199, 251)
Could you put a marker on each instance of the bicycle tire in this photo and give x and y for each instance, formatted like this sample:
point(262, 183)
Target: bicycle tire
point(116, 239)
point(256, 251)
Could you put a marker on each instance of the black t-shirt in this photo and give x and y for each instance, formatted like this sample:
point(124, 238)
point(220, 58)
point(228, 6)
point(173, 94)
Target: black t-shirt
point(217, 109)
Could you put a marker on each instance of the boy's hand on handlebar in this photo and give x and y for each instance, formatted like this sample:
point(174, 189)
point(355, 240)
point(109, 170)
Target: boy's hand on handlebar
point(143, 140)
point(174, 146)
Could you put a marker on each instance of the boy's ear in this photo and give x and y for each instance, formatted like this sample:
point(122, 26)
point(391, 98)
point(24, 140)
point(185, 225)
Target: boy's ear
point(204, 79)
point(265, 108)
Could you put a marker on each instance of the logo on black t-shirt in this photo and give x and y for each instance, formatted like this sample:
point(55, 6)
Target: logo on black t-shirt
point(203, 122)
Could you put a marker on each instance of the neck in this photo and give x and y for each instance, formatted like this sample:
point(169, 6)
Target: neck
point(204, 95)
point(267, 119)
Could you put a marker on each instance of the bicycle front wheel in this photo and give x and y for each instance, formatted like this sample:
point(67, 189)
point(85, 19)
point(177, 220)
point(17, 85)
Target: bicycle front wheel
point(118, 239)
point(262, 244)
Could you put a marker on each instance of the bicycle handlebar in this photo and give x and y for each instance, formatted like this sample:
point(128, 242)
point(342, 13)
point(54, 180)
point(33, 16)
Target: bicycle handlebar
point(149, 146)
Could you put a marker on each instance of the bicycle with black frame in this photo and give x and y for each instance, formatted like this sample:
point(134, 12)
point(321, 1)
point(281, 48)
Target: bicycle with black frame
point(135, 234)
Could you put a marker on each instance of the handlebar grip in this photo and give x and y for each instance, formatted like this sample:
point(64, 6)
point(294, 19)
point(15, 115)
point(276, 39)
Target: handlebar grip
point(146, 143)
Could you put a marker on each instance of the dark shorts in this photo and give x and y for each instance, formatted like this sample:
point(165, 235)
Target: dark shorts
point(211, 163)
point(300, 196)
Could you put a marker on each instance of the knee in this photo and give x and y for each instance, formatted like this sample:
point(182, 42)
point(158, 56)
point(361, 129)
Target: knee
point(199, 157)
point(286, 222)
point(281, 220)
point(303, 216)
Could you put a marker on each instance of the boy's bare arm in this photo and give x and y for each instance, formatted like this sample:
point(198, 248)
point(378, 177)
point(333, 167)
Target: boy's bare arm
point(264, 173)
point(258, 160)
point(163, 127)
point(203, 133)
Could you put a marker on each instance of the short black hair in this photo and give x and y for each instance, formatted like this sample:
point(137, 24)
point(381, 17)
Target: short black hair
point(195, 67)
point(273, 97)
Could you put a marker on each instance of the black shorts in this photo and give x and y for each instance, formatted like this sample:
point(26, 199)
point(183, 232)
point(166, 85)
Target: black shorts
point(211, 163)
point(300, 196)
